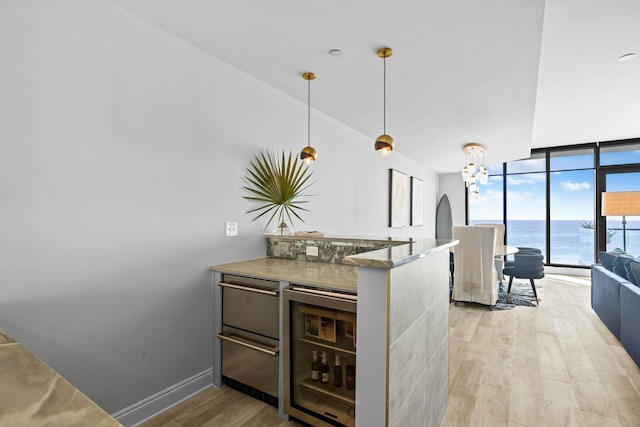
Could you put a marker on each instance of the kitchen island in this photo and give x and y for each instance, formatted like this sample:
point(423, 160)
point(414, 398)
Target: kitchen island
point(32, 394)
point(402, 322)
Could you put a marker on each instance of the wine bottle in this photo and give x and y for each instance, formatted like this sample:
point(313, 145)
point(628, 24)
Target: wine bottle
point(337, 372)
point(315, 366)
point(324, 369)
point(351, 377)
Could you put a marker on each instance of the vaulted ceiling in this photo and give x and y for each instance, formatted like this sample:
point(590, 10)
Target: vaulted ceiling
point(508, 74)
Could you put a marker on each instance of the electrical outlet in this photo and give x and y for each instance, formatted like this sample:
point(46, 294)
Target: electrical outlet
point(230, 229)
point(312, 250)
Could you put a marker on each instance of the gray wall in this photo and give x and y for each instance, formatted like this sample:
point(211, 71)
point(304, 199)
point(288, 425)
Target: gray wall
point(121, 155)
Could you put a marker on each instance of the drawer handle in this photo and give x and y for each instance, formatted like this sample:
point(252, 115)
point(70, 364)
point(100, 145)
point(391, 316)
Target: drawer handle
point(249, 289)
point(326, 293)
point(275, 351)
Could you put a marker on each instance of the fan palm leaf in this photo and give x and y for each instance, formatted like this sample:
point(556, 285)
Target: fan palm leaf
point(277, 184)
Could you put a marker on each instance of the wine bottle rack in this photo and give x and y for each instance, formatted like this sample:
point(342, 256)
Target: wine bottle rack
point(340, 393)
point(344, 345)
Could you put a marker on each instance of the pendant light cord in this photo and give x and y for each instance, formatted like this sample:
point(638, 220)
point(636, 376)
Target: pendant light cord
point(309, 113)
point(384, 97)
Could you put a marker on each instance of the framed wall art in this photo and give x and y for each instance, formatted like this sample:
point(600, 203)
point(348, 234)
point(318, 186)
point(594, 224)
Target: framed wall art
point(417, 195)
point(398, 199)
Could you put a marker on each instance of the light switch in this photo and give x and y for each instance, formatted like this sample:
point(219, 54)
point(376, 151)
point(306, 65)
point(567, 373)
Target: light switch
point(230, 229)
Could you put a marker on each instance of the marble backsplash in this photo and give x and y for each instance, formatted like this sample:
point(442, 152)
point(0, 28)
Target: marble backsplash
point(330, 249)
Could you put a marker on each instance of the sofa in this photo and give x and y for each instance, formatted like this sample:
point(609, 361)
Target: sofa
point(615, 297)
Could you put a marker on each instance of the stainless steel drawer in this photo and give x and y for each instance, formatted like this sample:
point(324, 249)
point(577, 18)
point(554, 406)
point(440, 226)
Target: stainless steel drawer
point(250, 304)
point(250, 359)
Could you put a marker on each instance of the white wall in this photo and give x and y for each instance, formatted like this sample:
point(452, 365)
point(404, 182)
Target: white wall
point(452, 185)
point(121, 155)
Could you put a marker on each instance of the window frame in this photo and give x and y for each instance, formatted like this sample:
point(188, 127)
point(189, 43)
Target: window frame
point(600, 241)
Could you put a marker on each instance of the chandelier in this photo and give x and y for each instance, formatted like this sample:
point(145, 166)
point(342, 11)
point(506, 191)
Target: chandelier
point(474, 172)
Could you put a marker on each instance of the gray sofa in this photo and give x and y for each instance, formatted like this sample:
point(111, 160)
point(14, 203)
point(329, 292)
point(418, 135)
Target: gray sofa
point(617, 302)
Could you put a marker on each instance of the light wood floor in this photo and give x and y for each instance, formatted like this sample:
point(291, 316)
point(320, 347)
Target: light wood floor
point(220, 408)
point(552, 365)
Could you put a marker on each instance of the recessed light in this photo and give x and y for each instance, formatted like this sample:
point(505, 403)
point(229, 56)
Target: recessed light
point(627, 56)
point(335, 52)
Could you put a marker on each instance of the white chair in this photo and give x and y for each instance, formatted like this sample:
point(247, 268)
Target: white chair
point(475, 278)
point(499, 260)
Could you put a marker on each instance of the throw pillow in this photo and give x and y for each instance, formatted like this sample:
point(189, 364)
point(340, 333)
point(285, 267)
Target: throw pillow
point(633, 272)
point(607, 259)
point(619, 264)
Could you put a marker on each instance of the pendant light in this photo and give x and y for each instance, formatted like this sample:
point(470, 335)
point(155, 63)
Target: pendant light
point(308, 154)
point(384, 142)
point(474, 171)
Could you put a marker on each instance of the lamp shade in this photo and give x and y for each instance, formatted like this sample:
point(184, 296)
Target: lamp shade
point(625, 203)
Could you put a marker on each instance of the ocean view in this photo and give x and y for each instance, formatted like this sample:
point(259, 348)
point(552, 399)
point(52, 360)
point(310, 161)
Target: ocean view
point(570, 243)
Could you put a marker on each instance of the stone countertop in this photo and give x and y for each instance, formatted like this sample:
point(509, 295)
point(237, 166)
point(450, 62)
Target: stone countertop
point(334, 276)
point(398, 255)
point(326, 275)
point(32, 394)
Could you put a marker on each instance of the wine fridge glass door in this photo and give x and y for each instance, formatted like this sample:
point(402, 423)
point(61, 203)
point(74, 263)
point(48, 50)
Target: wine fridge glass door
point(320, 359)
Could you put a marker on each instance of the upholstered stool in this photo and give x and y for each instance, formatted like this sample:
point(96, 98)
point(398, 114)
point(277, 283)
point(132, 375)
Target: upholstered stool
point(525, 266)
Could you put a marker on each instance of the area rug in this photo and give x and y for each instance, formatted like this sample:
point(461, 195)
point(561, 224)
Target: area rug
point(521, 295)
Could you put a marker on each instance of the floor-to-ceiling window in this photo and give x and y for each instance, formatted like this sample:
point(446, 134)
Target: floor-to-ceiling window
point(526, 202)
point(551, 200)
point(571, 207)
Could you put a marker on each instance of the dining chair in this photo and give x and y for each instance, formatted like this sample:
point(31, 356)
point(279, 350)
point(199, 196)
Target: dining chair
point(499, 259)
point(475, 278)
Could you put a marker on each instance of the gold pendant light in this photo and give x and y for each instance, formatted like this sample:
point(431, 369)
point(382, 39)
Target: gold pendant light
point(384, 142)
point(308, 154)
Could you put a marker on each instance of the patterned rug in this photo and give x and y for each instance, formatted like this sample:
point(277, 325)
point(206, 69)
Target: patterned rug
point(521, 295)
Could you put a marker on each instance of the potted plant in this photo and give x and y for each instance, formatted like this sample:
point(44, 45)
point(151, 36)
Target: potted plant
point(277, 184)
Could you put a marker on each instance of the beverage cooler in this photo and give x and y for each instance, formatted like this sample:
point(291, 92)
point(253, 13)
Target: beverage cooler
point(319, 355)
point(250, 336)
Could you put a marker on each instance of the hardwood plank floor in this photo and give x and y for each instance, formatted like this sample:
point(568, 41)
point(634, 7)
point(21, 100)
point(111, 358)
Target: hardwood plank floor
point(220, 408)
point(551, 365)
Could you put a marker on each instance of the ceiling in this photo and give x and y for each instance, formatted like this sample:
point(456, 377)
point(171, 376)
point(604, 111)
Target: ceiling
point(508, 74)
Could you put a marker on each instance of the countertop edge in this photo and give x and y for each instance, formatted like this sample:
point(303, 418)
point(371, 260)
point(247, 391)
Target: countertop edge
point(399, 255)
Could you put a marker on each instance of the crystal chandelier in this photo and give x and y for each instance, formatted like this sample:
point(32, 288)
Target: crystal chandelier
point(474, 171)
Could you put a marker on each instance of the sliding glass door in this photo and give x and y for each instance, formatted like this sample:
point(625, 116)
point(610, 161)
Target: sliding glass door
point(612, 233)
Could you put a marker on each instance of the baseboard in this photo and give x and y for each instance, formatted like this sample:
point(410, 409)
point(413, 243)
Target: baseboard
point(568, 271)
point(153, 405)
